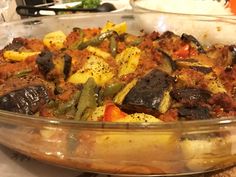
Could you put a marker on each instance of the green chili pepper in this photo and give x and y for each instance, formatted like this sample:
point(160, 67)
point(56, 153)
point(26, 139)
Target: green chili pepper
point(71, 112)
point(76, 44)
point(96, 40)
point(23, 73)
point(113, 46)
point(52, 104)
point(87, 101)
point(76, 29)
point(58, 90)
point(108, 91)
point(100, 97)
point(112, 89)
point(65, 107)
point(136, 42)
point(87, 113)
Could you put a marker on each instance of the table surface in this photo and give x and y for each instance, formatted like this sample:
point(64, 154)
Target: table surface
point(14, 164)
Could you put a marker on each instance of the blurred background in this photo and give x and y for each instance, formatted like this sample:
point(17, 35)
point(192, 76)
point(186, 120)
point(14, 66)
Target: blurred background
point(8, 7)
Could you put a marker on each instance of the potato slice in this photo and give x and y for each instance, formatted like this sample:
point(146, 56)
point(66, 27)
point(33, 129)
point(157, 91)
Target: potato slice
point(165, 102)
point(128, 60)
point(98, 52)
point(98, 114)
point(95, 67)
point(54, 40)
point(214, 84)
point(121, 95)
point(119, 28)
point(18, 56)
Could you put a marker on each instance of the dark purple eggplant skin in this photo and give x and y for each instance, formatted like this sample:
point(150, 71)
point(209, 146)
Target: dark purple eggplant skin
point(67, 65)
point(147, 94)
point(194, 113)
point(16, 44)
point(190, 38)
point(167, 58)
point(202, 69)
point(190, 60)
point(167, 34)
point(232, 49)
point(27, 100)
point(190, 95)
point(45, 62)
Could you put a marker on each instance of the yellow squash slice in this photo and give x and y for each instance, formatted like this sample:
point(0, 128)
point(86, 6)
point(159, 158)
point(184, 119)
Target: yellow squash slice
point(18, 56)
point(54, 40)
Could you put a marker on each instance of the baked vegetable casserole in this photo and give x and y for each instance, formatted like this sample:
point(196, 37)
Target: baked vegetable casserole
point(108, 75)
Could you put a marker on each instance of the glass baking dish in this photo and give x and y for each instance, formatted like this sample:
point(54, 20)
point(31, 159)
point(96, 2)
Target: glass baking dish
point(164, 149)
point(209, 28)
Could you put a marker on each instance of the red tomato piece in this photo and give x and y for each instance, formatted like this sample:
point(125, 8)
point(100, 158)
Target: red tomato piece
point(113, 113)
point(183, 52)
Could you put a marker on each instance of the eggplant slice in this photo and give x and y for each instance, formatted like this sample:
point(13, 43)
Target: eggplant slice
point(193, 64)
point(150, 94)
point(16, 44)
point(167, 63)
point(45, 62)
point(232, 49)
point(190, 95)
point(202, 69)
point(190, 38)
point(67, 65)
point(194, 113)
point(27, 100)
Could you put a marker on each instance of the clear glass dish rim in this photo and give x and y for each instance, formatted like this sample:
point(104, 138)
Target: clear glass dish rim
point(193, 125)
point(63, 16)
point(134, 5)
point(127, 14)
point(172, 126)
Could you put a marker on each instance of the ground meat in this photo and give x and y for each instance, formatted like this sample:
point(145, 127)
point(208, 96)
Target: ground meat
point(14, 83)
point(152, 47)
point(224, 101)
point(169, 116)
point(195, 81)
point(153, 36)
point(68, 90)
point(72, 38)
point(16, 44)
point(79, 58)
point(146, 43)
point(169, 42)
point(105, 46)
point(34, 45)
point(228, 78)
point(120, 47)
point(91, 32)
point(9, 69)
